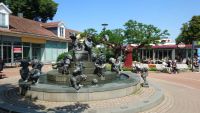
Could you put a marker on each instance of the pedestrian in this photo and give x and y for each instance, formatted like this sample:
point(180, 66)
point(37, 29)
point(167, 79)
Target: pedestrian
point(169, 66)
point(174, 67)
point(199, 62)
point(1, 65)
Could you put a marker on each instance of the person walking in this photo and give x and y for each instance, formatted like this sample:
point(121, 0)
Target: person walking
point(199, 62)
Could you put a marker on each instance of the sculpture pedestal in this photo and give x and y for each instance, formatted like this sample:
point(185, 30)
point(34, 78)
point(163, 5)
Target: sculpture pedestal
point(82, 56)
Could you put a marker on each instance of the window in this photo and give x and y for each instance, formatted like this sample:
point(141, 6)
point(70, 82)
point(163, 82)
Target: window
point(2, 20)
point(61, 31)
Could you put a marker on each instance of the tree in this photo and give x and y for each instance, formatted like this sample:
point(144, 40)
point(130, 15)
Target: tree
point(142, 34)
point(38, 10)
point(90, 32)
point(190, 31)
point(115, 41)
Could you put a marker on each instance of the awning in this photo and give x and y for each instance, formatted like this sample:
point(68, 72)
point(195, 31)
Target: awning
point(33, 40)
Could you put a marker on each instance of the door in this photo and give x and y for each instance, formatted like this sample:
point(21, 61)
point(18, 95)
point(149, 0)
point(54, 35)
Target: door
point(7, 54)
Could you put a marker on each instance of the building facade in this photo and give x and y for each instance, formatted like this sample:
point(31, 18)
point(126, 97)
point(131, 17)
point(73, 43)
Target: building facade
point(21, 38)
point(165, 50)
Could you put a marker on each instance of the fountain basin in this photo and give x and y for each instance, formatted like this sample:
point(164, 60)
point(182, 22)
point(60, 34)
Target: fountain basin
point(109, 90)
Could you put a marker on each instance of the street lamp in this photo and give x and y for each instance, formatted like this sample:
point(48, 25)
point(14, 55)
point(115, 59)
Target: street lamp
point(104, 26)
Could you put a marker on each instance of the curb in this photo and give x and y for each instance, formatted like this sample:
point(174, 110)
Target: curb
point(141, 106)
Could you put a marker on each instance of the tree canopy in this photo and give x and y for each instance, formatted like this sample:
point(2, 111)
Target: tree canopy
point(90, 32)
point(143, 34)
point(38, 10)
point(190, 31)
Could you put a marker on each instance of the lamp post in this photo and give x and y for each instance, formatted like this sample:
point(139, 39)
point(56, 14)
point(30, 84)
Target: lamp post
point(104, 26)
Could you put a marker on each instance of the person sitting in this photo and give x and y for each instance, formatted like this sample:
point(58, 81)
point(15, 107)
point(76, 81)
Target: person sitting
point(1, 65)
point(169, 66)
point(1, 68)
point(174, 67)
point(164, 65)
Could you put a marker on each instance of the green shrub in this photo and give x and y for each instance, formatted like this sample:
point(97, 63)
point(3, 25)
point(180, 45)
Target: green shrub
point(62, 55)
point(108, 67)
point(127, 69)
point(152, 69)
point(164, 70)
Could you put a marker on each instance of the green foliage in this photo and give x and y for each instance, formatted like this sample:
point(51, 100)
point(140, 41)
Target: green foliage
point(127, 69)
point(108, 67)
point(62, 55)
point(39, 10)
point(109, 54)
point(190, 31)
point(165, 70)
point(114, 43)
point(135, 55)
point(142, 34)
point(107, 51)
point(116, 36)
point(90, 32)
point(152, 69)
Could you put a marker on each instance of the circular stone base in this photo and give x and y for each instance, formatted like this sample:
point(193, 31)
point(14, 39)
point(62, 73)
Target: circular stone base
point(63, 93)
point(142, 100)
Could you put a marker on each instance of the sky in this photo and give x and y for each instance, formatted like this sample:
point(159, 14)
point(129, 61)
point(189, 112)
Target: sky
point(164, 14)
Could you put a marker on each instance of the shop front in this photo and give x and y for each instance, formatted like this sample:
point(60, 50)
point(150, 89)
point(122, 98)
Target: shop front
point(13, 49)
point(157, 54)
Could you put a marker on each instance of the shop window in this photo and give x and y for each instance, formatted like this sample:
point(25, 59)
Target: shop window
point(165, 54)
point(170, 54)
point(36, 45)
point(26, 44)
point(17, 43)
point(26, 53)
point(6, 43)
point(160, 53)
point(7, 54)
point(36, 52)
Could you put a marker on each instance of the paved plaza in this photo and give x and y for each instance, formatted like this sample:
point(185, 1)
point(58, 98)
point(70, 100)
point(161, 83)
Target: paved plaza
point(181, 93)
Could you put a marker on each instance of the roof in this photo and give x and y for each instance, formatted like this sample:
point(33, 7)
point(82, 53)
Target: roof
point(21, 25)
point(24, 25)
point(6, 8)
point(68, 31)
point(169, 46)
point(50, 24)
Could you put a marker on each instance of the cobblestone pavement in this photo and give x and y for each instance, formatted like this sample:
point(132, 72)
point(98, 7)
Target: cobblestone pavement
point(182, 91)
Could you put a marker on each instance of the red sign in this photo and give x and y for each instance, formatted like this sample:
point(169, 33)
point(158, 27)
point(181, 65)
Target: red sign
point(17, 50)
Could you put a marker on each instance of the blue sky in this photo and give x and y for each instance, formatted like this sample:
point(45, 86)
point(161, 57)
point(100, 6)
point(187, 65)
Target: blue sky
point(164, 14)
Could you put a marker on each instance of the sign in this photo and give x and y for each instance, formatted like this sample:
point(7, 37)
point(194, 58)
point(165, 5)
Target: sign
point(17, 50)
point(181, 45)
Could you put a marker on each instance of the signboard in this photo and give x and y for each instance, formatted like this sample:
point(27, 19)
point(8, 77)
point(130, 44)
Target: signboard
point(17, 50)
